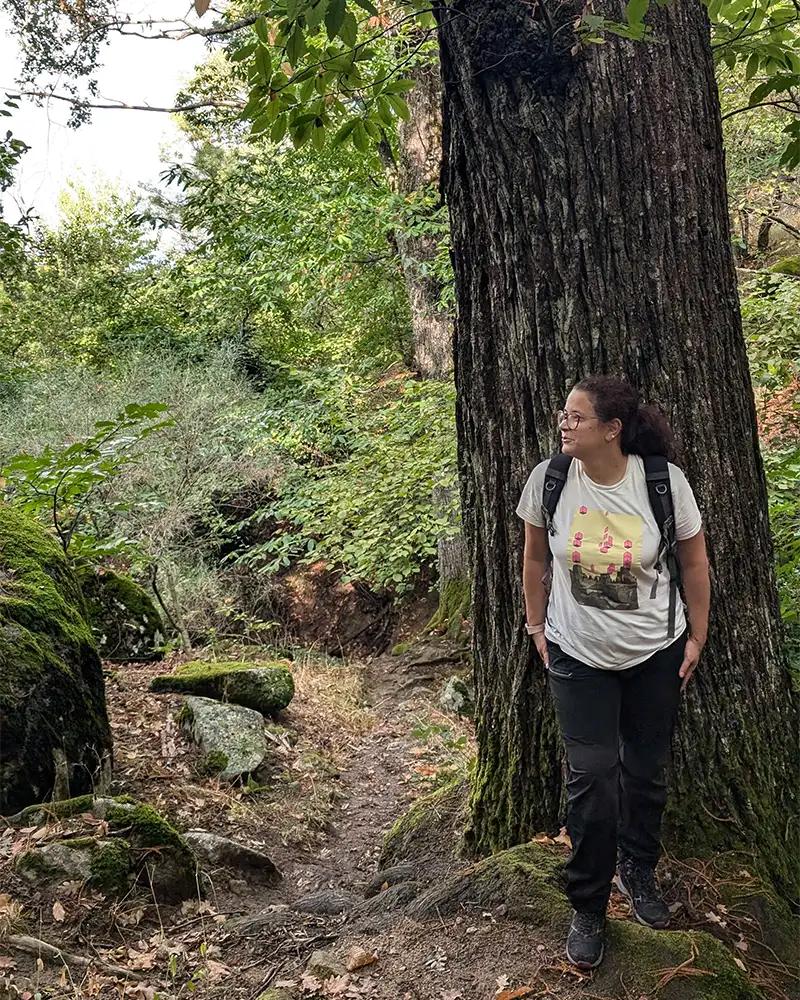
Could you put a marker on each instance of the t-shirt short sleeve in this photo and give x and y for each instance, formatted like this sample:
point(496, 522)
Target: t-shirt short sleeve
point(529, 507)
point(688, 520)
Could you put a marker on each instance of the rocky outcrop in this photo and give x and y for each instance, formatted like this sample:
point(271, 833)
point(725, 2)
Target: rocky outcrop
point(55, 740)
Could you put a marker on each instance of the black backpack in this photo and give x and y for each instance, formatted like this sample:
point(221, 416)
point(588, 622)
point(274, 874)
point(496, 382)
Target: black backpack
point(659, 491)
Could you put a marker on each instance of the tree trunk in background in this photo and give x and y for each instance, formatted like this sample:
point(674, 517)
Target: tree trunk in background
point(420, 148)
point(417, 169)
point(590, 234)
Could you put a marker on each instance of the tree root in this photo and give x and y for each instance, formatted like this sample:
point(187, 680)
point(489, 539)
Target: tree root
point(35, 946)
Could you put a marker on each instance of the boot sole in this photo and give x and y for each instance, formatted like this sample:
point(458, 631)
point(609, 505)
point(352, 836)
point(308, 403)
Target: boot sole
point(645, 923)
point(586, 966)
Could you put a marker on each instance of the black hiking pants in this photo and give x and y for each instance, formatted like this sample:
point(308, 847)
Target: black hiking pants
point(617, 727)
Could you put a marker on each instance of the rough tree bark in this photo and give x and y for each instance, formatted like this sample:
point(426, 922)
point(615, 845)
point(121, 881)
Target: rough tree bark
point(590, 234)
point(420, 157)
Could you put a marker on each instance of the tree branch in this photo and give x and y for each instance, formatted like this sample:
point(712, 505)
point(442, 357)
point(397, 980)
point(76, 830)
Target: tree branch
point(121, 106)
point(784, 106)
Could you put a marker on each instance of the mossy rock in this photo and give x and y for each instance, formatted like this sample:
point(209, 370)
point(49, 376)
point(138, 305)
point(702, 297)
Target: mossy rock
point(275, 993)
point(431, 826)
point(102, 863)
point(161, 856)
point(787, 265)
point(147, 848)
point(54, 733)
point(124, 619)
point(264, 687)
point(528, 882)
point(224, 732)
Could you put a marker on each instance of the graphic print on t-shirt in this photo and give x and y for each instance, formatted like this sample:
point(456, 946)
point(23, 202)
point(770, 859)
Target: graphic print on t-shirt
point(603, 552)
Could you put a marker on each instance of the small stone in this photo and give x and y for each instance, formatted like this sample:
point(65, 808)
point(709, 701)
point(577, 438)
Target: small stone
point(226, 853)
point(456, 697)
point(324, 965)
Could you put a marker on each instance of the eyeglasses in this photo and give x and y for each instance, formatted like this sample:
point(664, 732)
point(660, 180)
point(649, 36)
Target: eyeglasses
point(571, 420)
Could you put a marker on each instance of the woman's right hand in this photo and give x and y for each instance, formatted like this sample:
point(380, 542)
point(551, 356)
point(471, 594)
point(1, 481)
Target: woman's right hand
point(541, 648)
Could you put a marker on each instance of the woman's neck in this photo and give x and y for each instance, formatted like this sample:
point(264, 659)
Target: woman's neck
point(606, 470)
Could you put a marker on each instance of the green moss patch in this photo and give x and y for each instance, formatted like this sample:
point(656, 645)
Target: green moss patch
point(124, 619)
point(787, 265)
point(111, 864)
point(264, 687)
point(432, 825)
point(453, 609)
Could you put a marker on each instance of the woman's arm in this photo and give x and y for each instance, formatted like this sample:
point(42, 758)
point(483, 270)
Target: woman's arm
point(534, 568)
point(697, 590)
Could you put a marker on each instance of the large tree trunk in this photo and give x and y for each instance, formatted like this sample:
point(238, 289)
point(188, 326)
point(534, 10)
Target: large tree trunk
point(590, 234)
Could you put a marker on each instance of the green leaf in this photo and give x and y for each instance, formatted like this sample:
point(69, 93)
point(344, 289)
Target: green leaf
point(398, 86)
point(243, 53)
point(301, 135)
point(296, 45)
point(278, 130)
point(262, 30)
point(263, 64)
point(318, 137)
point(399, 106)
point(368, 6)
point(349, 29)
point(360, 137)
point(315, 15)
point(334, 17)
point(752, 66)
point(385, 110)
point(344, 132)
point(342, 64)
point(261, 124)
point(635, 11)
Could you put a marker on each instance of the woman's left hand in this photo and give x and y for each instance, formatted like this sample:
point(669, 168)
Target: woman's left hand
point(691, 656)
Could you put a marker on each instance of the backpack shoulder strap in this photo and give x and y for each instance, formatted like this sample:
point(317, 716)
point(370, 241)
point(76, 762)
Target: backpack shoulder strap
point(555, 480)
point(659, 491)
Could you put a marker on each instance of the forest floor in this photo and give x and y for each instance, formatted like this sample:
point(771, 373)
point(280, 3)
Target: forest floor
point(362, 740)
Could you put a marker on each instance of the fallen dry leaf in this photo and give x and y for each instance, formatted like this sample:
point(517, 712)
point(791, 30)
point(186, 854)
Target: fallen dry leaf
point(520, 991)
point(452, 995)
point(563, 838)
point(337, 985)
point(358, 958)
point(58, 912)
point(7, 963)
point(216, 970)
point(742, 945)
point(740, 963)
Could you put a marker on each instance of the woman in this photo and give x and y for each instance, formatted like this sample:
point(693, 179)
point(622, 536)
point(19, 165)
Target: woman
point(616, 669)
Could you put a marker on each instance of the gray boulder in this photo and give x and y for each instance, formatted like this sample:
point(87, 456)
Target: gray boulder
point(231, 736)
point(224, 853)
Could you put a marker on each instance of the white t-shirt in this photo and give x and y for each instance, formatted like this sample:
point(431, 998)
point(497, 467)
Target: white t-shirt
point(601, 608)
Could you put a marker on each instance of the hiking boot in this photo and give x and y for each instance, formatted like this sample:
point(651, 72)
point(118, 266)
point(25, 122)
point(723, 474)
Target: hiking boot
point(638, 882)
point(585, 940)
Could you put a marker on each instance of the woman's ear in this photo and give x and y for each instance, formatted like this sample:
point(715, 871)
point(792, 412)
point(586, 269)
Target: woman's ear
point(614, 429)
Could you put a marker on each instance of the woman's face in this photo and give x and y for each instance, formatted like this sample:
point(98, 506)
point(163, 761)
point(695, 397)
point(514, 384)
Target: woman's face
point(582, 432)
